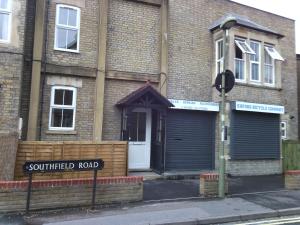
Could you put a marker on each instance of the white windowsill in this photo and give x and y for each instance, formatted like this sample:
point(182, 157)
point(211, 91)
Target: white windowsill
point(66, 50)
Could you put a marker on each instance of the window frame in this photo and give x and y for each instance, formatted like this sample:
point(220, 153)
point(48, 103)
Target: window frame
point(273, 68)
point(236, 40)
point(275, 55)
point(54, 106)
point(245, 51)
point(7, 11)
point(255, 62)
point(221, 60)
point(58, 25)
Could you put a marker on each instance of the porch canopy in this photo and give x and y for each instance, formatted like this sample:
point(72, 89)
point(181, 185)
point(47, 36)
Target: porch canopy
point(145, 97)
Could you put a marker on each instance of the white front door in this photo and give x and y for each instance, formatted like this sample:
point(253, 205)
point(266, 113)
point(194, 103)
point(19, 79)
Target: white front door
point(139, 139)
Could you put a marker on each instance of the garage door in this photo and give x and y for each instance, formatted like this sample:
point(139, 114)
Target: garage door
point(190, 140)
point(255, 135)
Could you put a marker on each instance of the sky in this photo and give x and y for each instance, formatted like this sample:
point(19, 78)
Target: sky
point(286, 8)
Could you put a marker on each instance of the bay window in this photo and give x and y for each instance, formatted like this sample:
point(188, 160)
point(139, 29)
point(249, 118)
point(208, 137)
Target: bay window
point(254, 61)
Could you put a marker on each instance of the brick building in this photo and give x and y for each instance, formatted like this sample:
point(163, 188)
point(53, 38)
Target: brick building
point(298, 76)
point(143, 71)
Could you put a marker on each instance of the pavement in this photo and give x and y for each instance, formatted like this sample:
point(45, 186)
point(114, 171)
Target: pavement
point(265, 199)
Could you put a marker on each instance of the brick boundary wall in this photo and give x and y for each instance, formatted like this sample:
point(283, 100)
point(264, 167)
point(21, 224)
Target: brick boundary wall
point(292, 179)
point(8, 151)
point(48, 194)
point(209, 184)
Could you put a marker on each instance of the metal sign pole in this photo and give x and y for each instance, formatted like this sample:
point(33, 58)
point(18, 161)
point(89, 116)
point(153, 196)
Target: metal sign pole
point(28, 193)
point(94, 189)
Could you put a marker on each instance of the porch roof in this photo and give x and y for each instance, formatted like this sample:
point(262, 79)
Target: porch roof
point(244, 22)
point(146, 90)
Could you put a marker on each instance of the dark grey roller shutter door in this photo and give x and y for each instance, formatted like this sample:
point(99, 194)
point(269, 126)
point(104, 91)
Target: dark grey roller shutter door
point(190, 140)
point(255, 135)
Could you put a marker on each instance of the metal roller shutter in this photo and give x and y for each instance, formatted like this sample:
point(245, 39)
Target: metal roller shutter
point(190, 140)
point(255, 135)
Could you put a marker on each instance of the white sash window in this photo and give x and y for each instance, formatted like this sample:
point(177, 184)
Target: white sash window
point(62, 108)
point(67, 29)
point(5, 20)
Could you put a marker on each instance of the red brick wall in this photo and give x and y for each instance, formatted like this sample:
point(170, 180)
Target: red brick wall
point(69, 192)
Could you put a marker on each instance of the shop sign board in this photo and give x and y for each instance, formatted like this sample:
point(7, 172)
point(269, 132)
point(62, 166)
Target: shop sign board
point(256, 107)
point(195, 105)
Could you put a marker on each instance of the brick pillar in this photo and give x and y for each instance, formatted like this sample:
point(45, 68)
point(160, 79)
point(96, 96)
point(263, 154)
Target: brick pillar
point(292, 179)
point(209, 184)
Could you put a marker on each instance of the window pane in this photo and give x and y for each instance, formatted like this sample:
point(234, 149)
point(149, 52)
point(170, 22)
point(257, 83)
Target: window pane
point(67, 118)
point(61, 38)
point(142, 126)
point(268, 58)
point(68, 97)
point(239, 69)
point(56, 117)
point(269, 74)
point(254, 71)
point(255, 48)
point(72, 17)
point(58, 97)
point(72, 39)
point(137, 126)
point(4, 4)
point(63, 16)
point(220, 50)
point(238, 53)
point(132, 126)
point(4, 19)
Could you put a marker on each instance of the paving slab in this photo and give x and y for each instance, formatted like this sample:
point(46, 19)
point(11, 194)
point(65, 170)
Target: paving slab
point(275, 200)
point(172, 212)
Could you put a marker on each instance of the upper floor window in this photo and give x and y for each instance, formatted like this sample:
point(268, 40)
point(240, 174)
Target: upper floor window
point(219, 56)
point(67, 28)
point(62, 108)
point(5, 20)
point(255, 61)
